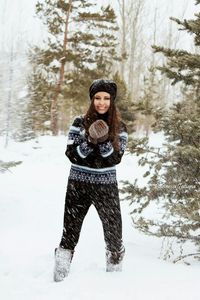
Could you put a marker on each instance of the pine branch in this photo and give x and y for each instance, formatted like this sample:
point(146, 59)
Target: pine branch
point(169, 52)
point(165, 230)
point(181, 257)
point(5, 166)
point(185, 24)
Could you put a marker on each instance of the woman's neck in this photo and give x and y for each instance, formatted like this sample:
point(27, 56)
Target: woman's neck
point(102, 116)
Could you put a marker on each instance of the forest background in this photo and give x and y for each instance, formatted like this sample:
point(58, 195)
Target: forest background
point(26, 105)
point(52, 50)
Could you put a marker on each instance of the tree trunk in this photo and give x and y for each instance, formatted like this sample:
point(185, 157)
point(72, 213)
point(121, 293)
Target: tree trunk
point(9, 96)
point(123, 37)
point(54, 106)
point(136, 9)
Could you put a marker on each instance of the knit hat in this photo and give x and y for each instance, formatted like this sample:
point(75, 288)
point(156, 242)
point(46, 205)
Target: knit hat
point(103, 85)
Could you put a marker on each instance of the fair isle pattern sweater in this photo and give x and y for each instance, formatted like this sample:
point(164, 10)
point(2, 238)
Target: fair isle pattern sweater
point(93, 163)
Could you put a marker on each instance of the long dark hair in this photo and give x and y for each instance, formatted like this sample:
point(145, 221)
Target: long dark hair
point(113, 120)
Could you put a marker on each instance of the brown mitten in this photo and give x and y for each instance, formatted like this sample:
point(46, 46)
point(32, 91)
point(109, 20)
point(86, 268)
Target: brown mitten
point(98, 132)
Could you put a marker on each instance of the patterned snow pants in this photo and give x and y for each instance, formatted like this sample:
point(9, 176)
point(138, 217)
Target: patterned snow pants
point(105, 198)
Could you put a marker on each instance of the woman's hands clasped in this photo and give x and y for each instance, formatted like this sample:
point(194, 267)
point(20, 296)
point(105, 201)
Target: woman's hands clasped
point(98, 132)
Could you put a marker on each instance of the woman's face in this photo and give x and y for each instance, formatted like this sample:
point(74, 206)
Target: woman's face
point(102, 102)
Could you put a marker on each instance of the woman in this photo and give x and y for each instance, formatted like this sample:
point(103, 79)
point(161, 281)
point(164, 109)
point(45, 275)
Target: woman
point(96, 143)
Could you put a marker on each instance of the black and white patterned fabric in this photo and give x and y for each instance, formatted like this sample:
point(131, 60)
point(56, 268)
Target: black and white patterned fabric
point(91, 175)
point(93, 163)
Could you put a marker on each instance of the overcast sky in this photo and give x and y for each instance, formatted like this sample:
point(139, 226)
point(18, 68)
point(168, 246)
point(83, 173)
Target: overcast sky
point(17, 21)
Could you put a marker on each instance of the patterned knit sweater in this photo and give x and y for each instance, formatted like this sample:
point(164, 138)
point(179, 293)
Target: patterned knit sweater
point(93, 163)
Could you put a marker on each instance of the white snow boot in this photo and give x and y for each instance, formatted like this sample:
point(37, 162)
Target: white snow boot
point(63, 258)
point(114, 260)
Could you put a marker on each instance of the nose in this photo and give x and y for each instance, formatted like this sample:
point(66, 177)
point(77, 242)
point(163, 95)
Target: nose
point(101, 101)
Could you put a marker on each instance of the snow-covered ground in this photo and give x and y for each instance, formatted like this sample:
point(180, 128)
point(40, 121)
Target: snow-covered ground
point(31, 214)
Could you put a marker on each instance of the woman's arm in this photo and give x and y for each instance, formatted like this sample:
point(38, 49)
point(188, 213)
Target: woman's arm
point(111, 156)
point(81, 151)
point(78, 147)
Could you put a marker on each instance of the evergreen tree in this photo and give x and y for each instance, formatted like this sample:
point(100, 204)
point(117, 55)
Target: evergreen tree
point(126, 106)
point(40, 86)
point(174, 170)
point(81, 46)
point(150, 100)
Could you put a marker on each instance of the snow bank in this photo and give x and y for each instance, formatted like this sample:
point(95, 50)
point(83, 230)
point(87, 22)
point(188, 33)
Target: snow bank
point(31, 213)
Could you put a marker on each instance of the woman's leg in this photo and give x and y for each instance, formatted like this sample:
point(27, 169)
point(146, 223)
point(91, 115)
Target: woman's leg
point(108, 207)
point(76, 208)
